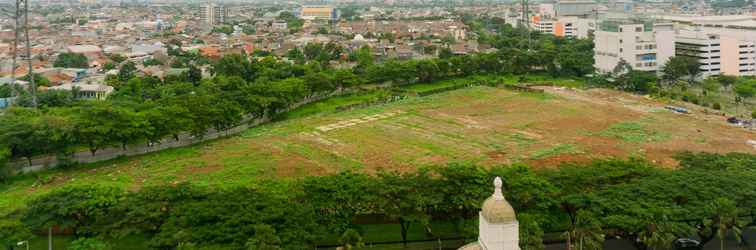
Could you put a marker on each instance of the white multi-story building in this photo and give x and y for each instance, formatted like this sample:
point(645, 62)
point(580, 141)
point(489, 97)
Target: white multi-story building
point(705, 48)
point(719, 51)
point(566, 26)
point(644, 46)
point(213, 14)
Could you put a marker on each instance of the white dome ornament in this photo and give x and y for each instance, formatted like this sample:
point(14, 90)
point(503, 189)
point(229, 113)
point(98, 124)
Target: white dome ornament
point(498, 228)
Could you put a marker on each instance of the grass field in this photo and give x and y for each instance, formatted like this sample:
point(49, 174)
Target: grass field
point(484, 125)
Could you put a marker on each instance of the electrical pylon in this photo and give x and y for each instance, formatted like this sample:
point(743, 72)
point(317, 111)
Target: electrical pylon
point(21, 15)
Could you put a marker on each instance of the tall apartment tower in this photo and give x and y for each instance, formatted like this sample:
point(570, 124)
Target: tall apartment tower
point(213, 14)
point(645, 46)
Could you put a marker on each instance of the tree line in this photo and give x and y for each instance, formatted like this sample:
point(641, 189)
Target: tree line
point(148, 109)
point(710, 196)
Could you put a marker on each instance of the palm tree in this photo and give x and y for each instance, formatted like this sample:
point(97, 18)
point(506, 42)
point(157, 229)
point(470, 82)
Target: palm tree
point(726, 219)
point(351, 239)
point(586, 233)
point(660, 233)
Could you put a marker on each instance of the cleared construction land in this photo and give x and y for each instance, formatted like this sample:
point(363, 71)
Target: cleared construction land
point(483, 125)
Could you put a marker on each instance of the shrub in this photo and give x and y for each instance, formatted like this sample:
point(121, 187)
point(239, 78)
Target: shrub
point(685, 98)
point(753, 114)
point(88, 244)
point(716, 106)
point(694, 100)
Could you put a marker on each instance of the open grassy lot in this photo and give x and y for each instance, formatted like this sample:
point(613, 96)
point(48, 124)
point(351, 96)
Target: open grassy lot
point(485, 125)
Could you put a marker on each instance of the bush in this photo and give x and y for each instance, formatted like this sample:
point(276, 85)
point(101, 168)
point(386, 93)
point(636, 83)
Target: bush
point(694, 100)
point(753, 114)
point(685, 98)
point(88, 244)
point(716, 106)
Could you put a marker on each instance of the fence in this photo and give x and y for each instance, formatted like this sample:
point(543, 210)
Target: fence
point(519, 88)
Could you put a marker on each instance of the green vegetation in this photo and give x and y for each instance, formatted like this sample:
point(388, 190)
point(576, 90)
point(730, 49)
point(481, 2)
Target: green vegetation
point(331, 105)
point(633, 197)
point(559, 149)
point(71, 60)
point(633, 132)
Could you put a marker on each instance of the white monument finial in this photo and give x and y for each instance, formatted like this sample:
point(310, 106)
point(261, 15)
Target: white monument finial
point(498, 194)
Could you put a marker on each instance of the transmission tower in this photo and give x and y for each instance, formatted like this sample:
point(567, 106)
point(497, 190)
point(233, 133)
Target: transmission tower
point(32, 84)
point(21, 15)
point(526, 19)
point(14, 47)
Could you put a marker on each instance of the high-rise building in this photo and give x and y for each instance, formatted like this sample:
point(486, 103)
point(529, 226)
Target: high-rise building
point(643, 45)
point(213, 14)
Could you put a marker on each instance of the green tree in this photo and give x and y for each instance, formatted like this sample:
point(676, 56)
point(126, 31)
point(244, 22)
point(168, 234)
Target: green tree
point(351, 239)
point(49, 98)
point(225, 29)
point(710, 85)
point(194, 75)
point(406, 198)
point(744, 90)
point(151, 62)
point(727, 81)
point(586, 233)
point(117, 58)
point(5, 169)
point(296, 55)
point(445, 53)
point(13, 231)
point(109, 66)
point(531, 234)
point(127, 71)
point(264, 239)
point(71, 60)
point(636, 81)
point(75, 207)
point(727, 220)
point(39, 79)
point(677, 67)
point(659, 232)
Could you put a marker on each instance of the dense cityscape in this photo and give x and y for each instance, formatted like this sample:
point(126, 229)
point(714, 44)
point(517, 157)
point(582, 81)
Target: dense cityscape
point(365, 124)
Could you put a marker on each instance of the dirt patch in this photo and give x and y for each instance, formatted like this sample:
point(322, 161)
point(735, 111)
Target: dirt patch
point(555, 161)
point(204, 169)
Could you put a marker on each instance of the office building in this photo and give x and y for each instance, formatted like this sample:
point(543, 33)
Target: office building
point(644, 45)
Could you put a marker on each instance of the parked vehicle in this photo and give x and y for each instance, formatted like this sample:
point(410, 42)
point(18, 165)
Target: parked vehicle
point(686, 244)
